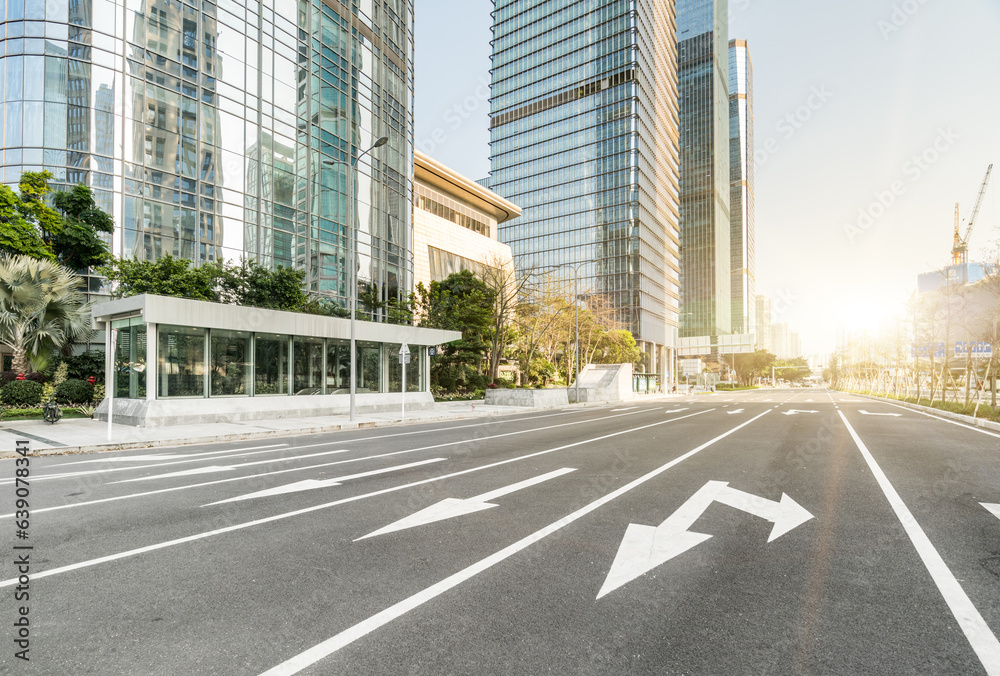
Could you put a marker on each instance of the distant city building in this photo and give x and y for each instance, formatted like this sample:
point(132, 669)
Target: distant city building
point(215, 131)
point(762, 311)
point(741, 189)
point(706, 267)
point(583, 136)
point(784, 343)
point(454, 222)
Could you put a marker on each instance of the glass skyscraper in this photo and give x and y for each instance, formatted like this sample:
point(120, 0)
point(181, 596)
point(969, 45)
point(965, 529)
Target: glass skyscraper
point(706, 270)
point(584, 138)
point(215, 130)
point(741, 190)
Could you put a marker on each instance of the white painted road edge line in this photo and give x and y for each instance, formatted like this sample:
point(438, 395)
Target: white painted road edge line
point(980, 637)
point(286, 515)
point(951, 422)
point(301, 469)
point(365, 627)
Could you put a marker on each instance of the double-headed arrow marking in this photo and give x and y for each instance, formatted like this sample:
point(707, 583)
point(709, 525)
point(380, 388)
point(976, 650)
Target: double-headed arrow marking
point(645, 547)
point(452, 507)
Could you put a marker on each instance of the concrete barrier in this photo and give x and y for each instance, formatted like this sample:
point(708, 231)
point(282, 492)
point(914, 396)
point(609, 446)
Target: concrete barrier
point(548, 398)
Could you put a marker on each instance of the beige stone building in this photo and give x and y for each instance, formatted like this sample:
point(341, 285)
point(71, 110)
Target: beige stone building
point(454, 222)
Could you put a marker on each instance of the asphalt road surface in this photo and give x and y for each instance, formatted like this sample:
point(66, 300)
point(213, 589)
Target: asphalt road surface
point(787, 531)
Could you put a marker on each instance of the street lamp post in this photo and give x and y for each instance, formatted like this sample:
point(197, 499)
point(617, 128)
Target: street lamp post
point(353, 281)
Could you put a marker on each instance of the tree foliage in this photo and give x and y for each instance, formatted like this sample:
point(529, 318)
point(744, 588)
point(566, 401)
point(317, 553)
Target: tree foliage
point(67, 233)
point(246, 283)
point(462, 302)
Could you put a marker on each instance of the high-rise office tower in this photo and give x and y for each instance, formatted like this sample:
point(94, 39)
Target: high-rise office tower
point(218, 130)
point(706, 270)
point(583, 136)
point(741, 205)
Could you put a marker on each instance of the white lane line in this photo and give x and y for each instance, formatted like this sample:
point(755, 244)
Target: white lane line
point(306, 510)
point(311, 484)
point(365, 627)
point(299, 469)
point(229, 468)
point(208, 483)
point(630, 408)
point(980, 637)
point(950, 422)
point(69, 475)
point(129, 458)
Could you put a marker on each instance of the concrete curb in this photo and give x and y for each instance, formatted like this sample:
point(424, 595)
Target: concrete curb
point(960, 417)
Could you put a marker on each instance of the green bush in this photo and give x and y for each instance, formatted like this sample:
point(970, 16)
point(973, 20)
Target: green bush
point(74, 391)
point(21, 393)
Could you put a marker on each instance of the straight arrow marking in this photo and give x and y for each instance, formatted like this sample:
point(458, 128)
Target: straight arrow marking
point(739, 410)
point(864, 412)
point(794, 411)
point(312, 484)
point(452, 507)
point(645, 547)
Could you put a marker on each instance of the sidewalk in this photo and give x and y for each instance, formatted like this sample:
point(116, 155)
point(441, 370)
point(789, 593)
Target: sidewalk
point(81, 435)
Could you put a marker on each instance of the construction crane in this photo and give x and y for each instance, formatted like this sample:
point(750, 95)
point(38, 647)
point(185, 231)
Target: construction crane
point(960, 249)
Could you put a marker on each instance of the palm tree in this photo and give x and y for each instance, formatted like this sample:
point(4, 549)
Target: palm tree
point(42, 308)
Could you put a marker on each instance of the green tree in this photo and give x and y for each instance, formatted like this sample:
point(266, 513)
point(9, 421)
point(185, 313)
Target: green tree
point(67, 233)
point(78, 245)
point(619, 347)
point(753, 365)
point(462, 302)
point(41, 309)
point(166, 276)
point(250, 283)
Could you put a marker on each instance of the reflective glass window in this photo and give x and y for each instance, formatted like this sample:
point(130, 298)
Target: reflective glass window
point(369, 365)
point(181, 361)
point(230, 363)
point(338, 366)
point(308, 366)
point(270, 364)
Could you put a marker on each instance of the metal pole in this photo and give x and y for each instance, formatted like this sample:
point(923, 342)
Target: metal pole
point(576, 280)
point(353, 281)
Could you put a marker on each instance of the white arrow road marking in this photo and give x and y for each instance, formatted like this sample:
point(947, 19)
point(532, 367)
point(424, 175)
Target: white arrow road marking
point(271, 448)
point(739, 410)
point(392, 489)
point(994, 508)
point(676, 410)
point(645, 547)
point(452, 507)
point(795, 411)
point(348, 636)
point(864, 412)
point(312, 484)
point(229, 468)
point(977, 632)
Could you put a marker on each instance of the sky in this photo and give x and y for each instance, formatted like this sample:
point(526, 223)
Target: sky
point(872, 119)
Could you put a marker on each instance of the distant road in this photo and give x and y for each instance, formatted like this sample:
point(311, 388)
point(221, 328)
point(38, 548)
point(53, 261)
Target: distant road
point(777, 531)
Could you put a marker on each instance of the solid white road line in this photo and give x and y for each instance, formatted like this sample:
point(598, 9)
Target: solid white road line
point(299, 469)
point(980, 637)
point(306, 510)
point(69, 475)
point(348, 636)
point(950, 422)
point(130, 458)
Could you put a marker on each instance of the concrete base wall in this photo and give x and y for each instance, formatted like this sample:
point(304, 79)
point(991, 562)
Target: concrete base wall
point(165, 412)
point(603, 382)
point(548, 398)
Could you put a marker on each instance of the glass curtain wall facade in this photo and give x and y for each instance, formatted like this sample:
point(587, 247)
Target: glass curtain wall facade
point(741, 189)
point(584, 138)
point(706, 270)
point(204, 127)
